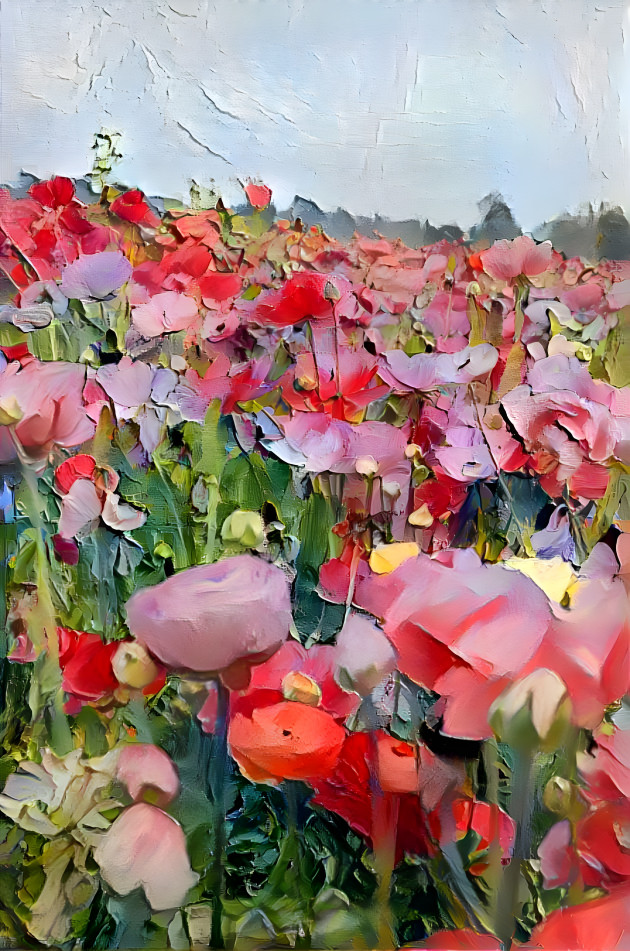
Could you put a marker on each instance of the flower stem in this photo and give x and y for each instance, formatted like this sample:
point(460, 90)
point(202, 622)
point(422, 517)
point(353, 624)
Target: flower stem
point(520, 810)
point(217, 784)
point(294, 802)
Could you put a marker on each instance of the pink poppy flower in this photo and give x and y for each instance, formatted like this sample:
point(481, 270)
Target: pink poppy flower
point(607, 770)
point(165, 313)
point(558, 861)
point(460, 628)
point(145, 848)
point(127, 383)
point(209, 617)
point(46, 402)
point(427, 371)
point(148, 773)
point(88, 494)
point(363, 654)
point(588, 644)
point(569, 438)
point(95, 275)
point(506, 260)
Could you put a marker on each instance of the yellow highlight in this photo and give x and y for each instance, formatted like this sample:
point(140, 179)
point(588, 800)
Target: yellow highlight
point(387, 558)
point(422, 517)
point(553, 575)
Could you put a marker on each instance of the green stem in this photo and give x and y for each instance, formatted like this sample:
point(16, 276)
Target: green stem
point(212, 486)
point(520, 810)
point(45, 608)
point(217, 783)
point(294, 803)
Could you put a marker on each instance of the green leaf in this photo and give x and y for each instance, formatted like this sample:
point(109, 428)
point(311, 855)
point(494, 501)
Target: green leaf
point(617, 354)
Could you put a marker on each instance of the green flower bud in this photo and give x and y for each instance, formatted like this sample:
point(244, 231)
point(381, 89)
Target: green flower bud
point(532, 712)
point(244, 528)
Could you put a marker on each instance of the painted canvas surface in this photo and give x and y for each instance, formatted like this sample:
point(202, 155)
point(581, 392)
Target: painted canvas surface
point(314, 511)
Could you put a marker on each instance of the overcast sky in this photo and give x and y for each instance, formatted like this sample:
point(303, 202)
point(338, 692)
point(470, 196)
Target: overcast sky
point(406, 108)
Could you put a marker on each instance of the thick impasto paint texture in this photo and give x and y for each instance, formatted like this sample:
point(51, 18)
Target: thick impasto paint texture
point(315, 564)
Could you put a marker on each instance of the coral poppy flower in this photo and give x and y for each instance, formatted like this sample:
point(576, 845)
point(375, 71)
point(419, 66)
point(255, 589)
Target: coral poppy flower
point(287, 740)
point(258, 195)
point(601, 925)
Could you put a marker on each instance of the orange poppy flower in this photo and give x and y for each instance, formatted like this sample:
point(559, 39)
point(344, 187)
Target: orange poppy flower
point(285, 740)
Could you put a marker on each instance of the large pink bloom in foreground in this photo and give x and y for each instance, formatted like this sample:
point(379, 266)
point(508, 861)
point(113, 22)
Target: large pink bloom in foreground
point(209, 617)
point(461, 628)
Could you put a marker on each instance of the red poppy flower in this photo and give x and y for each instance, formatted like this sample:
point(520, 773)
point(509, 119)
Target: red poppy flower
point(88, 672)
point(76, 467)
point(489, 822)
point(352, 791)
point(132, 206)
point(55, 193)
point(216, 286)
point(86, 663)
point(305, 296)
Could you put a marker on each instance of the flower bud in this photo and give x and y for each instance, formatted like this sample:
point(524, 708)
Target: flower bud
point(558, 796)
point(533, 711)
point(10, 411)
point(563, 798)
point(303, 689)
point(244, 528)
point(133, 665)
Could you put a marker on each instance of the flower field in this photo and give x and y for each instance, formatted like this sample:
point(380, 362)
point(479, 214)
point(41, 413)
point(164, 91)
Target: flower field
point(315, 563)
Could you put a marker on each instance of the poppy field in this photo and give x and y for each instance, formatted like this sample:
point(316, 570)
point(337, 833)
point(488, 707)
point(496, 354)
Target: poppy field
point(315, 559)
